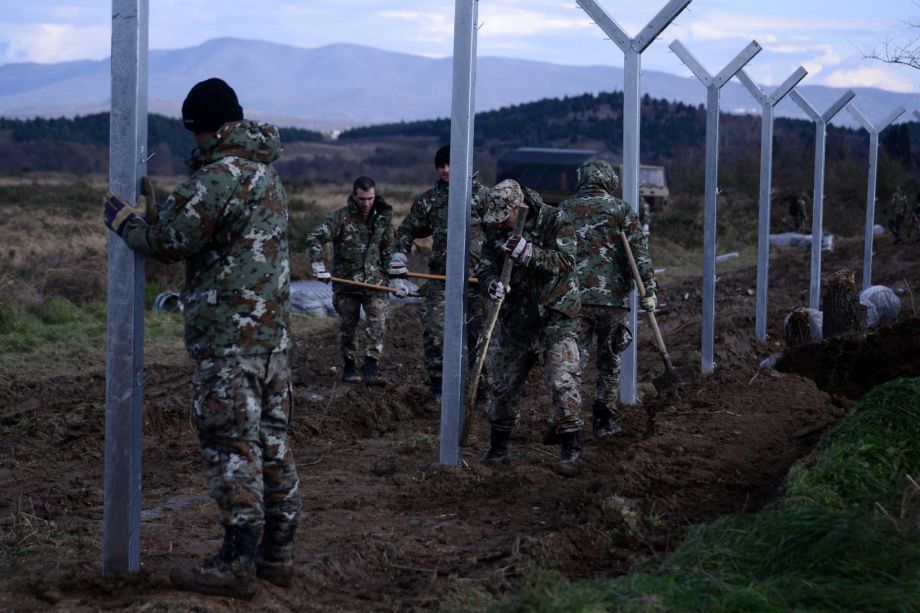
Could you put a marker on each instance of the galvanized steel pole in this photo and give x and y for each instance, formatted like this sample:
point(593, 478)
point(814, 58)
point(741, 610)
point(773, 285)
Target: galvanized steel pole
point(714, 88)
point(767, 104)
point(632, 49)
point(817, 216)
point(453, 383)
point(125, 295)
point(874, 131)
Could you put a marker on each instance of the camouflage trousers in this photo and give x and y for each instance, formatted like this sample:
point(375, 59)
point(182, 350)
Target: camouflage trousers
point(517, 354)
point(894, 226)
point(432, 317)
point(610, 327)
point(242, 410)
point(348, 306)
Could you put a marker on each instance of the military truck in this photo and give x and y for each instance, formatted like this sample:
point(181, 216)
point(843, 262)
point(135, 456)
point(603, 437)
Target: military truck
point(552, 173)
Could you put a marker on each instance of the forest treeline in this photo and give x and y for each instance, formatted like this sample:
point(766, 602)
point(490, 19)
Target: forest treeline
point(673, 135)
point(81, 144)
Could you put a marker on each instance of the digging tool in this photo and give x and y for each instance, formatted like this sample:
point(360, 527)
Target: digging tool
point(379, 288)
point(670, 379)
point(482, 347)
point(430, 277)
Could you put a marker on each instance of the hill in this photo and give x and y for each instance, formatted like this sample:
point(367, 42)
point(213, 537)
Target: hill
point(345, 85)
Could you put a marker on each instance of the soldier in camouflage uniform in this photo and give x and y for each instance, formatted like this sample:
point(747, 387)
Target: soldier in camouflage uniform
point(797, 208)
point(428, 217)
point(539, 315)
point(361, 233)
point(605, 281)
point(897, 211)
point(228, 223)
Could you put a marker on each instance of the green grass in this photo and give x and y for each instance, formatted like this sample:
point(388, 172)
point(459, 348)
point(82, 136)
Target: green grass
point(57, 334)
point(846, 537)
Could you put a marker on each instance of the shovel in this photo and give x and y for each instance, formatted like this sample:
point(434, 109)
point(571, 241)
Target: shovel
point(482, 347)
point(669, 380)
point(379, 288)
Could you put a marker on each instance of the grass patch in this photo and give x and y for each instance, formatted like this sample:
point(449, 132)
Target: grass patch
point(58, 336)
point(846, 537)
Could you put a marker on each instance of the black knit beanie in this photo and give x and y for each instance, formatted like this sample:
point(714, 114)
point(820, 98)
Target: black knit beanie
point(442, 156)
point(209, 105)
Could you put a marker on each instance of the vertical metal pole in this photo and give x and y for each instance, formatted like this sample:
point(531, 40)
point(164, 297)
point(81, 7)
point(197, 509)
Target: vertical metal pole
point(870, 210)
point(709, 229)
point(817, 217)
point(874, 131)
point(632, 49)
point(125, 295)
point(767, 103)
point(714, 86)
point(631, 127)
point(453, 382)
point(763, 222)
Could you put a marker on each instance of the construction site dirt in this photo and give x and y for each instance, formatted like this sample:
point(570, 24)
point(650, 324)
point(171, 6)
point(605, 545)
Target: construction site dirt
point(384, 525)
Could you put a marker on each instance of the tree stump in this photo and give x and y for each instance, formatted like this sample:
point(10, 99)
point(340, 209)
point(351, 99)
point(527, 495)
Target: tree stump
point(842, 310)
point(798, 327)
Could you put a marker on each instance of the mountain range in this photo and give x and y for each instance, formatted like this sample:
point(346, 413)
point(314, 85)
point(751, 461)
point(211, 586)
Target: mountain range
point(345, 85)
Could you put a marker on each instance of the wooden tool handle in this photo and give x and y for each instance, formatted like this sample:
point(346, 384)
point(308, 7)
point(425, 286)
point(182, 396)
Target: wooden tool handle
point(379, 288)
point(431, 277)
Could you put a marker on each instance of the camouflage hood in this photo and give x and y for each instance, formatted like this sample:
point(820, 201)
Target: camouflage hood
point(597, 175)
point(251, 140)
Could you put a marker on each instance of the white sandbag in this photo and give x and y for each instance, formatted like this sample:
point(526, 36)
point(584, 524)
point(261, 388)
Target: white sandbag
point(881, 303)
point(794, 239)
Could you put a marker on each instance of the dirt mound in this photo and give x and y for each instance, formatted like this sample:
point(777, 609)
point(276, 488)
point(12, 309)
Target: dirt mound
point(852, 365)
point(384, 525)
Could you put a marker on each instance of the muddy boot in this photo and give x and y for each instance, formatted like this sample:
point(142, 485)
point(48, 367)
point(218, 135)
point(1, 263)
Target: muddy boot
point(569, 454)
point(275, 563)
point(370, 373)
point(602, 424)
point(550, 436)
point(231, 572)
point(350, 372)
point(499, 448)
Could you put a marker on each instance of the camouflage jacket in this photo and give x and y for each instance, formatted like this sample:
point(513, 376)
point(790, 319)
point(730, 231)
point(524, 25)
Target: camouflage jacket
point(604, 276)
point(548, 281)
point(428, 217)
point(228, 221)
point(361, 246)
point(897, 205)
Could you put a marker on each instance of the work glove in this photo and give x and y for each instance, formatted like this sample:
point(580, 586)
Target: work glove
point(649, 302)
point(518, 248)
point(117, 212)
point(397, 267)
point(497, 290)
point(402, 290)
point(319, 271)
point(645, 229)
point(148, 208)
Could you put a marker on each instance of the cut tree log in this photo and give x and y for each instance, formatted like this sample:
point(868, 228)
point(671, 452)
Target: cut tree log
point(842, 310)
point(798, 327)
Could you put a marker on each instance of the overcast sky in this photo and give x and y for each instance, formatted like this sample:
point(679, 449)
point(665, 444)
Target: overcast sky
point(827, 37)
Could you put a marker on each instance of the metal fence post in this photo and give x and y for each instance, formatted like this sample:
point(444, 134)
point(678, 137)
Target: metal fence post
point(817, 207)
point(767, 104)
point(453, 383)
point(714, 86)
point(125, 295)
point(632, 49)
point(874, 131)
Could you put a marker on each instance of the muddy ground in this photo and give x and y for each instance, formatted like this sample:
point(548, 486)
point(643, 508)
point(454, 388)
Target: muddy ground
point(384, 526)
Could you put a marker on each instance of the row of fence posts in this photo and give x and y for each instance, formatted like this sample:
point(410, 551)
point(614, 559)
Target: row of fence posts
point(128, 159)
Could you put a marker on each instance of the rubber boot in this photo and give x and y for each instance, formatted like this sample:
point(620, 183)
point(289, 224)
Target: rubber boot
point(350, 372)
point(275, 563)
point(499, 448)
point(370, 373)
point(231, 572)
point(569, 454)
point(602, 424)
